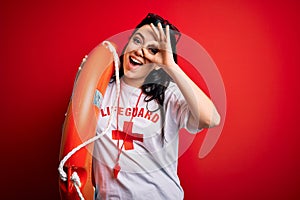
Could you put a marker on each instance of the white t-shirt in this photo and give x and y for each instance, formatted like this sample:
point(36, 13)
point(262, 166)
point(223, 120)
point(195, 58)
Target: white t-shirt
point(148, 161)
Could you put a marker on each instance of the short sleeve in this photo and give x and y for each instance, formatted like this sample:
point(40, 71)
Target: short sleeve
point(178, 109)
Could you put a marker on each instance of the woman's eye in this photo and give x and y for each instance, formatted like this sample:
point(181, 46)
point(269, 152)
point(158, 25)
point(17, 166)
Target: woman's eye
point(137, 40)
point(153, 51)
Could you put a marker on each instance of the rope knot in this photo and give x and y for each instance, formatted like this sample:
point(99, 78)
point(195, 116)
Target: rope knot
point(75, 179)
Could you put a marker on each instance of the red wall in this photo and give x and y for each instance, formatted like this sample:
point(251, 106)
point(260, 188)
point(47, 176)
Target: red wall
point(255, 46)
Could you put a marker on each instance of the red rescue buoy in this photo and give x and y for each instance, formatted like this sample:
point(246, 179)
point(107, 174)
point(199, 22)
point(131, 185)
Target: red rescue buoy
point(81, 121)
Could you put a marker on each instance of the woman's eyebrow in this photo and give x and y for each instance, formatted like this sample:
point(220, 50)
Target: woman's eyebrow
point(141, 36)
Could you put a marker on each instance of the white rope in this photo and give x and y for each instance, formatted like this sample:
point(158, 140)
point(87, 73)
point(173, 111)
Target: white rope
point(76, 182)
point(75, 178)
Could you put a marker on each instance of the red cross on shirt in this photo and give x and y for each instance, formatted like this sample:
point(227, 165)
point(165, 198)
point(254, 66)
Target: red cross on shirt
point(127, 136)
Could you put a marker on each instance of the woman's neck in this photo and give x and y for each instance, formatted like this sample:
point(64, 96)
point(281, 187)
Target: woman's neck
point(133, 82)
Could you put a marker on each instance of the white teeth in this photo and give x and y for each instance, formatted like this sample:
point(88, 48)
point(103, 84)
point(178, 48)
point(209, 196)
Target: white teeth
point(136, 61)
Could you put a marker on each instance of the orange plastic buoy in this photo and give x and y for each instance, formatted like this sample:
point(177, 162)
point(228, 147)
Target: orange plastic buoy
point(81, 121)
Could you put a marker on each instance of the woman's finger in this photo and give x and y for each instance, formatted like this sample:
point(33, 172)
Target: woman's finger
point(156, 32)
point(168, 34)
point(149, 56)
point(161, 32)
point(153, 58)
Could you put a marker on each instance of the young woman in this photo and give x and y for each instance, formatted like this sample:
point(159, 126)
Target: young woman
point(137, 158)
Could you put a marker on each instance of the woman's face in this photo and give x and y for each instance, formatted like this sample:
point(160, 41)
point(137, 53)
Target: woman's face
point(136, 66)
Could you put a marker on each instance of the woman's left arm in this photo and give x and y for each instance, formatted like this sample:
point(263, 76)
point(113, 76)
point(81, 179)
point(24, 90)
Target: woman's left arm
point(203, 111)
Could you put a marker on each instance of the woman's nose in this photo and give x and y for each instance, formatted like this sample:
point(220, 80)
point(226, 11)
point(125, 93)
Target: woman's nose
point(140, 52)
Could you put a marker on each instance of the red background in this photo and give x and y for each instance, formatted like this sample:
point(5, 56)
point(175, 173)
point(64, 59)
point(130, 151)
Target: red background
point(255, 46)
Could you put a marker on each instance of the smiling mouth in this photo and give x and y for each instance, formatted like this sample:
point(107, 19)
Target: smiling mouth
point(134, 61)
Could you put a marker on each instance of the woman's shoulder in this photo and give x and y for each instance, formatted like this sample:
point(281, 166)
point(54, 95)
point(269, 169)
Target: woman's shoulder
point(173, 91)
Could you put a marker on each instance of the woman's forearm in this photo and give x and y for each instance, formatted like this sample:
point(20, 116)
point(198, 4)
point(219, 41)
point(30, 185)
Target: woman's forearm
point(202, 109)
